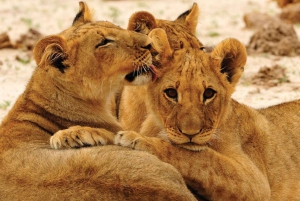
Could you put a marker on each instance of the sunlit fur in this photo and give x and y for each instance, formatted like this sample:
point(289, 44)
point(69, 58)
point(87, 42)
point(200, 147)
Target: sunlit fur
point(77, 70)
point(180, 33)
point(224, 150)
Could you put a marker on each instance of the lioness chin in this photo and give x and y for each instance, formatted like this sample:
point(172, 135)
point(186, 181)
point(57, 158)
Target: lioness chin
point(224, 150)
point(77, 70)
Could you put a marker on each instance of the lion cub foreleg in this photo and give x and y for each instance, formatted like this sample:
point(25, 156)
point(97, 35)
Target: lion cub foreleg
point(215, 175)
point(79, 136)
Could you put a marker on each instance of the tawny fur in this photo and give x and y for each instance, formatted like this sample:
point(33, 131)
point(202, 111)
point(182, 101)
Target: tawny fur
point(181, 34)
point(77, 70)
point(224, 150)
point(111, 53)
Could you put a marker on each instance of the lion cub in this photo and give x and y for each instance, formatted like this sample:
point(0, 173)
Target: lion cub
point(224, 150)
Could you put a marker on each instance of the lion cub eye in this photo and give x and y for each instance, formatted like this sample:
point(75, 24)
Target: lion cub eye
point(104, 42)
point(208, 93)
point(171, 93)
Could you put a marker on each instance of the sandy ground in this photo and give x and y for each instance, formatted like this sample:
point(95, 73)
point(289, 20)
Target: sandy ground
point(219, 20)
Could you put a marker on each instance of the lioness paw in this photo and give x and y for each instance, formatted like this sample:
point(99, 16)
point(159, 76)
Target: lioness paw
point(77, 136)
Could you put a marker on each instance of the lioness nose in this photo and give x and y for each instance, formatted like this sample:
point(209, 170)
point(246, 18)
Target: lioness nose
point(141, 39)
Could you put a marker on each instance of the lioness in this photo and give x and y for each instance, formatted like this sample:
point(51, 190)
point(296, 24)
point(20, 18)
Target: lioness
point(77, 70)
point(224, 150)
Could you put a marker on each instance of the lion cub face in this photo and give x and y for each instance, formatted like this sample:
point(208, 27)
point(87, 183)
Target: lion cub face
point(193, 89)
point(89, 55)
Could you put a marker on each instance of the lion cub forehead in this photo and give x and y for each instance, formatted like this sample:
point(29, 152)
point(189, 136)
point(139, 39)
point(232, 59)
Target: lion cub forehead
point(192, 69)
point(196, 64)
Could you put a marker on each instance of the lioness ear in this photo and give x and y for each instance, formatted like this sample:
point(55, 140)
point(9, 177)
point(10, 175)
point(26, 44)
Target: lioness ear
point(160, 42)
point(84, 15)
point(190, 18)
point(51, 51)
point(142, 22)
point(232, 56)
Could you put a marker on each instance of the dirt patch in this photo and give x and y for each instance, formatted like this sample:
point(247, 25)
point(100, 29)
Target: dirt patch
point(255, 20)
point(283, 3)
point(291, 13)
point(276, 37)
point(270, 76)
point(25, 43)
point(28, 40)
point(5, 41)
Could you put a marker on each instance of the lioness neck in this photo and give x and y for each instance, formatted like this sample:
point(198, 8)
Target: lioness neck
point(50, 107)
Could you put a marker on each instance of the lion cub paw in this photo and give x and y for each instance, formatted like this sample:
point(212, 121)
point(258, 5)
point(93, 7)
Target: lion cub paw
point(127, 138)
point(133, 140)
point(78, 136)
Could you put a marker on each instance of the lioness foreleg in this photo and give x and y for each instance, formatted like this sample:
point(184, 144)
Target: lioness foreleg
point(79, 136)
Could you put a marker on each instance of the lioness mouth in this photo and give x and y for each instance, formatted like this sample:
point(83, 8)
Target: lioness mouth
point(145, 71)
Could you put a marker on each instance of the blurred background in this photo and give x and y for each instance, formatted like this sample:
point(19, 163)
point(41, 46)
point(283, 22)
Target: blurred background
point(269, 29)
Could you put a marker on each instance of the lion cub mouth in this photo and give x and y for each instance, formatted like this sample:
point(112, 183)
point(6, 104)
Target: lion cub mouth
point(142, 75)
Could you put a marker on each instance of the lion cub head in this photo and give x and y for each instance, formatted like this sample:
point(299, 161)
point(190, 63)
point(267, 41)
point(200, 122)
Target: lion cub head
point(90, 55)
point(193, 89)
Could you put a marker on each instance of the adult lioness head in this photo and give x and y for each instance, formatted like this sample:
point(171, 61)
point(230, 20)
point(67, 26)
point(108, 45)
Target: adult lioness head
point(193, 89)
point(91, 52)
point(180, 32)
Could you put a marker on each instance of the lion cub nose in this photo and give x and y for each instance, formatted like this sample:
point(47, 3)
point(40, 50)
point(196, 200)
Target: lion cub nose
point(190, 125)
point(190, 132)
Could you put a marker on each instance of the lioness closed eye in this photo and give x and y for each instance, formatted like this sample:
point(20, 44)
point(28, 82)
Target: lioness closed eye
point(224, 150)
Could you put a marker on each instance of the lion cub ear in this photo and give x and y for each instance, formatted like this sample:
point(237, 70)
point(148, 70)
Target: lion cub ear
point(51, 51)
point(160, 42)
point(84, 15)
point(190, 18)
point(231, 55)
point(142, 22)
